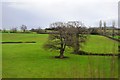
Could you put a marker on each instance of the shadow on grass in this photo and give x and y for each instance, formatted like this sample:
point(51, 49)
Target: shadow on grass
point(86, 53)
point(58, 57)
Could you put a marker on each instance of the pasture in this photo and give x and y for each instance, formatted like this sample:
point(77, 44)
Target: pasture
point(33, 61)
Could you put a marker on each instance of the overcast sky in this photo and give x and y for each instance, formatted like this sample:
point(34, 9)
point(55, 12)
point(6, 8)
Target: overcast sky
point(40, 13)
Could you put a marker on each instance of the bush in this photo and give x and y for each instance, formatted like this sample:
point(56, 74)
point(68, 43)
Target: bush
point(94, 31)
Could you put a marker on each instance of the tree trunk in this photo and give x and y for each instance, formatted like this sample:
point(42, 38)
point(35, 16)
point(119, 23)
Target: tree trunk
point(76, 50)
point(61, 53)
point(62, 47)
point(113, 32)
point(104, 28)
point(24, 30)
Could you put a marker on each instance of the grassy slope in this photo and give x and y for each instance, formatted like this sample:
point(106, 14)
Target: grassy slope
point(100, 44)
point(31, 60)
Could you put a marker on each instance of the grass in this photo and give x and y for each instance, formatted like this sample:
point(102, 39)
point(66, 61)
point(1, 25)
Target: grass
point(23, 37)
point(100, 44)
point(116, 37)
point(32, 61)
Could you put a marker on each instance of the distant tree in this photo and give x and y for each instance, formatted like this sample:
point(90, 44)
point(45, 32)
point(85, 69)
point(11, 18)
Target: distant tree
point(24, 28)
point(33, 30)
point(94, 31)
point(13, 30)
point(113, 28)
point(104, 28)
point(100, 26)
point(40, 31)
point(4, 30)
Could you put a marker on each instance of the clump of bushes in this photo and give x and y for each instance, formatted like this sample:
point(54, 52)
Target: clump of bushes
point(94, 31)
point(39, 31)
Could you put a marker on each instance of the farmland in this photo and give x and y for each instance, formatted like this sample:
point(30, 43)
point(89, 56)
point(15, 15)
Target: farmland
point(33, 61)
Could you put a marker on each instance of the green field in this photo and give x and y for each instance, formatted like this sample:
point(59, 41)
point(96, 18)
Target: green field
point(32, 61)
point(100, 44)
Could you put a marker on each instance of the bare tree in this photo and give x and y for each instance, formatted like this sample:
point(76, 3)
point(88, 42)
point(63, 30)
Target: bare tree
point(104, 28)
point(100, 26)
point(4, 30)
point(113, 30)
point(14, 30)
point(68, 34)
point(24, 28)
point(40, 31)
point(58, 40)
point(79, 33)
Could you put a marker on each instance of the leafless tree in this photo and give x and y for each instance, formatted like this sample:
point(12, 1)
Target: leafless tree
point(14, 30)
point(113, 30)
point(79, 34)
point(67, 35)
point(58, 40)
point(4, 30)
point(100, 26)
point(40, 31)
point(23, 28)
point(104, 28)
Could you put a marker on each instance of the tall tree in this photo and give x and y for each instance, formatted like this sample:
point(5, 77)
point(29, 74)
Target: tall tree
point(113, 28)
point(58, 40)
point(79, 31)
point(100, 26)
point(104, 28)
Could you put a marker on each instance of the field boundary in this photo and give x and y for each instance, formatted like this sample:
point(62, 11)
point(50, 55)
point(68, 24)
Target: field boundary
point(17, 42)
point(112, 38)
point(96, 54)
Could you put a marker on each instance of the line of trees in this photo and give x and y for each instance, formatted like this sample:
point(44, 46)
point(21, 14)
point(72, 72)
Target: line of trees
point(70, 34)
point(23, 29)
point(103, 30)
point(15, 29)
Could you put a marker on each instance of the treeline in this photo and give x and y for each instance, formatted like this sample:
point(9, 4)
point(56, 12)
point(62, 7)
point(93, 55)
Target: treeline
point(97, 31)
point(103, 29)
point(23, 29)
point(92, 30)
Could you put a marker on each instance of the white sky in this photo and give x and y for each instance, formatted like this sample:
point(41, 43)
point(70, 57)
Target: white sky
point(40, 13)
